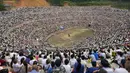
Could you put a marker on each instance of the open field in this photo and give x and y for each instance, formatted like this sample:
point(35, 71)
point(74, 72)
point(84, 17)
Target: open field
point(66, 38)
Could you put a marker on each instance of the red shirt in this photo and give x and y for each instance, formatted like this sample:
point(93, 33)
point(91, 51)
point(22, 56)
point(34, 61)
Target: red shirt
point(2, 62)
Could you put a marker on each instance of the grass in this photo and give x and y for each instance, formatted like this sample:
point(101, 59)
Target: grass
point(62, 39)
point(2, 7)
point(121, 5)
point(93, 3)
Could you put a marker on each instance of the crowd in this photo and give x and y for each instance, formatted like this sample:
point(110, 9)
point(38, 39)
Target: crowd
point(101, 60)
point(24, 46)
point(23, 26)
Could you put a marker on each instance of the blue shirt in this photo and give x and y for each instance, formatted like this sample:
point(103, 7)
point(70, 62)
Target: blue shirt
point(90, 70)
point(96, 55)
point(27, 60)
point(33, 71)
point(50, 70)
point(81, 70)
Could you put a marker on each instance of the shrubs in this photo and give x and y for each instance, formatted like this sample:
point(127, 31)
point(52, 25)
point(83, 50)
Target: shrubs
point(93, 3)
point(122, 5)
point(58, 2)
point(113, 3)
point(2, 7)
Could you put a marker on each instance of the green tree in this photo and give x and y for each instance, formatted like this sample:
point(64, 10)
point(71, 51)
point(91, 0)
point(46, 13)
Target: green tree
point(57, 2)
point(2, 7)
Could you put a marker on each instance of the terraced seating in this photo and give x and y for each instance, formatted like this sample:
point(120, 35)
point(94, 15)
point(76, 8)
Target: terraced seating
point(23, 26)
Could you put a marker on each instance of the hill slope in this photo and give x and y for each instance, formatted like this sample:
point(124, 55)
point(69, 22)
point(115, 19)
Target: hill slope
point(32, 3)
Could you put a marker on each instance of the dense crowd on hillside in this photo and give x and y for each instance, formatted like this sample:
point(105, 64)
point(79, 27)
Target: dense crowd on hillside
point(23, 26)
point(24, 47)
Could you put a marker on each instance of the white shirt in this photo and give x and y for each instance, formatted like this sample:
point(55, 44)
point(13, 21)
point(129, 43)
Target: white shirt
point(12, 54)
point(121, 70)
point(62, 55)
point(93, 57)
point(119, 58)
point(16, 67)
point(8, 59)
point(67, 68)
point(20, 57)
point(85, 54)
point(40, 60)
point(44, 62)
point(109, 70)
point(84, 63)
point(103, 55)
point(72, 62)
point(31, 62)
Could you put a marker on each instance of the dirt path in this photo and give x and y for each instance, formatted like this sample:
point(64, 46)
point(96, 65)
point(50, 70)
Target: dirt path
point(32, 3)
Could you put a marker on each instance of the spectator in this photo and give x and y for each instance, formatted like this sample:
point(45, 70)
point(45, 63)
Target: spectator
point(106, 66)
point(92, 69)
point(16, 66)
point(72, 60)
point(96, 54)
point(67, 66)
point(59, 68)
point(50, 70)
point(34, 69)
point(78, 67)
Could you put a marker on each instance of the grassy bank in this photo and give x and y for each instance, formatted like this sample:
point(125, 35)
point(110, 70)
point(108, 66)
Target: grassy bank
point(2, 7)
point(116, 4)
point(121, 5)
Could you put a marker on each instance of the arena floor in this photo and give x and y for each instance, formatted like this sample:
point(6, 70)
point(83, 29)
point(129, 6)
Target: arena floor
point(67, 37)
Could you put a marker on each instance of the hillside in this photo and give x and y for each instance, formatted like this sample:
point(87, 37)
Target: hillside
point(32, 3)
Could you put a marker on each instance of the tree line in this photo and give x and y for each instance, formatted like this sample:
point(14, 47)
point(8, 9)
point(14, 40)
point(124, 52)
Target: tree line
point(2, 7)
point(60, 2)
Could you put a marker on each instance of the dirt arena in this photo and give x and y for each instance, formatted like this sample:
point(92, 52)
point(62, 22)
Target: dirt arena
point(66, 37)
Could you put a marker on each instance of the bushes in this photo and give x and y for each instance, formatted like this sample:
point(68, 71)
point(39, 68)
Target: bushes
point(122, 5)
point(58, 2)
point(114, 3)
point(93, 3)
point(2, 7)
